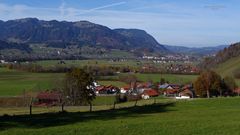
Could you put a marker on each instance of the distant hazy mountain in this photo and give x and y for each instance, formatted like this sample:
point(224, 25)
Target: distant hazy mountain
point(81, 33)
point(201, 51)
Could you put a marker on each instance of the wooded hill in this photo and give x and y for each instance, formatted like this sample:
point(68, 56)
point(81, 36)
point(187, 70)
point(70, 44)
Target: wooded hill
point(222, 56)
point(226, 62)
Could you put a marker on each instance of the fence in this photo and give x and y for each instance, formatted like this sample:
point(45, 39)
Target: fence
point(20, 101)
point(15, 110)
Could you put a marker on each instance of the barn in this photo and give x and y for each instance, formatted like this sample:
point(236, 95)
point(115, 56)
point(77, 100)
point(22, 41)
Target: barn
point(48, 98)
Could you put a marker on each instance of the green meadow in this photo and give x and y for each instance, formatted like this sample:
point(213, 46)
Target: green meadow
point(218, 116)
point(13, 83)
point(172, 78)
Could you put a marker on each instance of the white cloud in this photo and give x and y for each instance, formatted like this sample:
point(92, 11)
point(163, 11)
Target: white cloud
point(104, 7)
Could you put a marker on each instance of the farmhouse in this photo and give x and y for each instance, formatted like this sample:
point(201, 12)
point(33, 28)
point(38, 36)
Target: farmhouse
point(170, 92)
point(150, 93)
point(186, 93)
point(170, 89)
point(48, 98)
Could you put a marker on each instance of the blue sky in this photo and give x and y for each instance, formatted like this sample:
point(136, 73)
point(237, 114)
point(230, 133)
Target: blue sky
point(193, 23)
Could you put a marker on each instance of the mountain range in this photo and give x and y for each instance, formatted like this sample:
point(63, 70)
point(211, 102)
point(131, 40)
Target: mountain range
point(80, 33)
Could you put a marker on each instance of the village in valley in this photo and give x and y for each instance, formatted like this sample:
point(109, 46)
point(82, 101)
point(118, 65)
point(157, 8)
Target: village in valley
point(114, 67)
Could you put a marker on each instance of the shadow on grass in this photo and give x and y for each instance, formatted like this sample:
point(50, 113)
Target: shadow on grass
point(64, 118)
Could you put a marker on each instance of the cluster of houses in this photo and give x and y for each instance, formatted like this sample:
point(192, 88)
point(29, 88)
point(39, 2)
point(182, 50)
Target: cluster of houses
point(147, 90)
point(144, 90)
point(174, 90)
point(169, 58)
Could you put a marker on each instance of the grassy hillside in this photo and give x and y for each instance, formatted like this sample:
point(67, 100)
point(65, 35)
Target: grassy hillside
point(227, 68)
point(199, 117)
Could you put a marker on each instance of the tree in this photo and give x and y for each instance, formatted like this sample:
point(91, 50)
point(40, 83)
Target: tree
point(162, 81)
point(209, 82)
point(230, 84)
point(79, 87)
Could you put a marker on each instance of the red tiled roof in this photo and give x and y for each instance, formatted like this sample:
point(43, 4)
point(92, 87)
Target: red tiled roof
point(103, 88)
point(100, 88)
point(171, 91)
point(151, 92)
point(49, 95)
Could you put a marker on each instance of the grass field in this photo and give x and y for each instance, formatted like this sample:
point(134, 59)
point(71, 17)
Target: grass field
point(15, 82)
point(81, 63)
point(114, 83)
point(172, 78)
point(199, 117)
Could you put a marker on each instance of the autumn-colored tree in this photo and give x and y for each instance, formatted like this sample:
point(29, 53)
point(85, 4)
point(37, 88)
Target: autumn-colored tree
point(79, 87)
point(209, 82)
